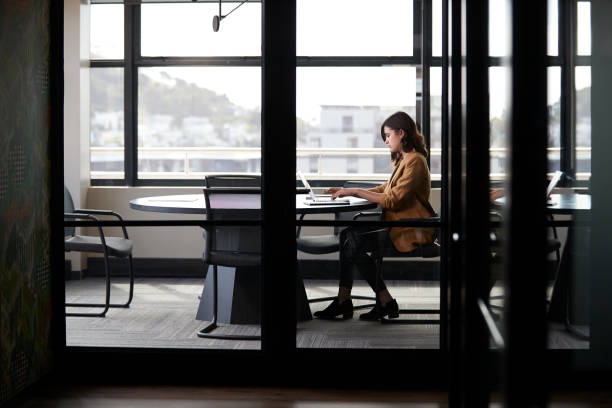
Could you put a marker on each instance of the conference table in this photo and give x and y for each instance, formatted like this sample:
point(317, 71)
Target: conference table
point(578, 206)
point(239, 288)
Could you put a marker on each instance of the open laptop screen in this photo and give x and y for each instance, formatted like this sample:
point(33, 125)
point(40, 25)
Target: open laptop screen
point(553, 182)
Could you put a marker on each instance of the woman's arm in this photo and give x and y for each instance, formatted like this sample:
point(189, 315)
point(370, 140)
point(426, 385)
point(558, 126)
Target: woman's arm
point(356, 192)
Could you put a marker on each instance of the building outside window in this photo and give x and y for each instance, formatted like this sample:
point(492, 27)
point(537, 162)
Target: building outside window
point(347, 124)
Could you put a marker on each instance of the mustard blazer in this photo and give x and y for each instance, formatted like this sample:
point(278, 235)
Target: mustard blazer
point(410, 177)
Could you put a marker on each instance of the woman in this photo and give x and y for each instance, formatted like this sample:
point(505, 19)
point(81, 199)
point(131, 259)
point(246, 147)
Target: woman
point(405, 195)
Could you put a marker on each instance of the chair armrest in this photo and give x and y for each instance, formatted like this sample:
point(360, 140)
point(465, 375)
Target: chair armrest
point(104, 212)
point(299, 228)
point(367, 214)
point(81, 216)
point(90, 217)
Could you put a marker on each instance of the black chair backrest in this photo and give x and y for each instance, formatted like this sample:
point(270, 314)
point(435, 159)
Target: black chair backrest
point(238, 204)
point(233, 180)
point(68, 208)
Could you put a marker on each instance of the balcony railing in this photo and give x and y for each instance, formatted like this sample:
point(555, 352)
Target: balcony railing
point(186, 158)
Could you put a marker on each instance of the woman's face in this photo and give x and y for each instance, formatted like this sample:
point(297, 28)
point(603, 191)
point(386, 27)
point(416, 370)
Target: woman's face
point(393, 139)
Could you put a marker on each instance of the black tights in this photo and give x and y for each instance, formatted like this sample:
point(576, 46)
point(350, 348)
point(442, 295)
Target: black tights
point(355, 243)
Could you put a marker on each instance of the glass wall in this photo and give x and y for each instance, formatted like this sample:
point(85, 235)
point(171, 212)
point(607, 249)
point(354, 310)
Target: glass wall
point(163, 97)
point(351, 76)
point(107, 93)
point(197, 120)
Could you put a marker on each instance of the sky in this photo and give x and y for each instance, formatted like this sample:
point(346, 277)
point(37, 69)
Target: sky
point(374, 28)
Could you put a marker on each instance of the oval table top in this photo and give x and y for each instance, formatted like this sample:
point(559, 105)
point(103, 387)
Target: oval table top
point(194, 204)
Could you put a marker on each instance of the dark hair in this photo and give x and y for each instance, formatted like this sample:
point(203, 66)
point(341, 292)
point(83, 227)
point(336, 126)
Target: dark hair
point(413, 139)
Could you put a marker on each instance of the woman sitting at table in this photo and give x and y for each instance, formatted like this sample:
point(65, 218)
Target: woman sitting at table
point(404, 195)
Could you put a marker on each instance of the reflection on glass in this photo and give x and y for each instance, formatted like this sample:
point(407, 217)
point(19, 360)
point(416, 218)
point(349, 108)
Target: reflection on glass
point(436, 28)
point(106, 123)
point(583, 43)
point(499, 116)
point(198, 119)
point(554, 118)
point(435, 125)
point(106, 31)
point(583, 121)
point(187, 30)
point(383, 27)
point(328, 98)
point(500, 28)
point(553, 27)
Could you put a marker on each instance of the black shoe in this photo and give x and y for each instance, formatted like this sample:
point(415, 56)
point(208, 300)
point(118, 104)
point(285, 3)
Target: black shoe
point(391, 309)
point(336, 309)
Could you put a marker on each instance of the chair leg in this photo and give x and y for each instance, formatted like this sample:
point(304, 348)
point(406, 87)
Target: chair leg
point(131, 290)
point(206, 332)
point(118, 305)
point(106, 304)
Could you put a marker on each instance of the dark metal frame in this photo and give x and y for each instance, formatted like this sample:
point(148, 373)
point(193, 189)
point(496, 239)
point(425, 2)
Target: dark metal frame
point(133, 60)
point(278, 326)
point(526, 328)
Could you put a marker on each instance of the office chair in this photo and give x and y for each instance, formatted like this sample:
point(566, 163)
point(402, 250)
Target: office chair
point(109, 246)
point(431, 250)
point(224, 252)
point(330, 243)
point(232, 180)
point(250, 180)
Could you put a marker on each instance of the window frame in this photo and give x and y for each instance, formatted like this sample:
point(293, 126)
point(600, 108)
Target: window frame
point(133, 60)
point(422, 59)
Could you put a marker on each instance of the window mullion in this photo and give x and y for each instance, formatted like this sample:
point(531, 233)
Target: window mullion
point(568, 112)
point(131, 47)
point(426, 58)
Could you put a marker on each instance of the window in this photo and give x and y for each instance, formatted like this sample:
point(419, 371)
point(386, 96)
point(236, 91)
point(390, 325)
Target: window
point(193, 120)
point(106, 123)
point(324, 30)
point(583, 122)
point(186, 35)
point(347, 124)
point(198, 92)
point(189, 119)
point(106, 31)
point(330, 103)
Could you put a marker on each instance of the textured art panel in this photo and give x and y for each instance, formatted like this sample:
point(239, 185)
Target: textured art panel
point(25, 290)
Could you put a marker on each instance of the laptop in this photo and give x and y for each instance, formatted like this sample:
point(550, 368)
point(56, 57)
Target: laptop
point(552, 184)
point(320, 199)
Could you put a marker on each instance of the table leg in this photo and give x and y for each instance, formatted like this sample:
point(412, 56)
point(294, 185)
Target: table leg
point(560, 302)
point(239, 297)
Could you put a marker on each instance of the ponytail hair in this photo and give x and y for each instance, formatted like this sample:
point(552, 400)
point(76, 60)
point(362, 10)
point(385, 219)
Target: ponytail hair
point(412, 139)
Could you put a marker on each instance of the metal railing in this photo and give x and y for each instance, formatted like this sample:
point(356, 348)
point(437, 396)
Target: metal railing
point(188, 154)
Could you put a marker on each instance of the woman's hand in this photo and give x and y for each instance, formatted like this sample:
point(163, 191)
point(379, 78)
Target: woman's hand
point(332, 190)
point(495, 194)
point(343, 192)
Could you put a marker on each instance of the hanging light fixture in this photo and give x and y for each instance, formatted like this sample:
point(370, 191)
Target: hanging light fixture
point(217, 18)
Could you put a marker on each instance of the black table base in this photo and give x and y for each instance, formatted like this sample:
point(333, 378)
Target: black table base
point(239, 297)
